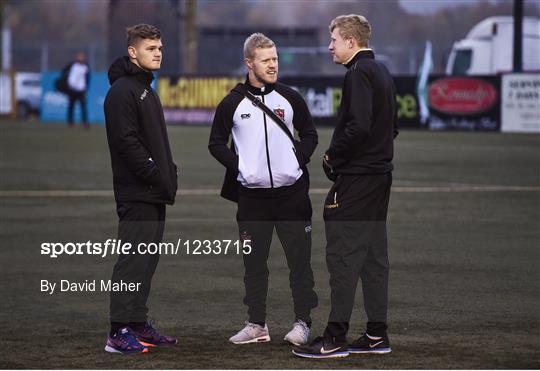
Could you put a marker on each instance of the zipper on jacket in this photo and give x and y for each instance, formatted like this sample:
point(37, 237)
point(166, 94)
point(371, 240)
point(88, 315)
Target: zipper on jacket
point(267, 151)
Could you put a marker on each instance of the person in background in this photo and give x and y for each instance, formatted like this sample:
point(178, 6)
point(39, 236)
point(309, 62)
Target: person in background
point(77, 75)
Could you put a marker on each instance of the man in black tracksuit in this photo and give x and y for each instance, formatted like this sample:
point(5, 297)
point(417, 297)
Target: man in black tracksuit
point(271, 181)
point(145, 180)
point(359, 161)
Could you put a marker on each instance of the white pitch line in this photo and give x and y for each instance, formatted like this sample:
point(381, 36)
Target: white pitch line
point(442, 189)
point(317, 191)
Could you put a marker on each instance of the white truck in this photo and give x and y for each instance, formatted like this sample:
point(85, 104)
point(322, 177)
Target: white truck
point(488, 48)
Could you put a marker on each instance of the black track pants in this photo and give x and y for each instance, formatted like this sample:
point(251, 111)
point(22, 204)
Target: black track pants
point(355, 222)
point(288, 210)
point(75, 96)
point(139, 222)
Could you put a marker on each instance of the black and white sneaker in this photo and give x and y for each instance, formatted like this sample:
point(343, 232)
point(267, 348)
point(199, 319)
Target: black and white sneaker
point(321, 348)
point(370, 344)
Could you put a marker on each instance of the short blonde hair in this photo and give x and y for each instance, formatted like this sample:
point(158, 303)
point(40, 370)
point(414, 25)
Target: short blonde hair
point(255, 41)
point(352, 25)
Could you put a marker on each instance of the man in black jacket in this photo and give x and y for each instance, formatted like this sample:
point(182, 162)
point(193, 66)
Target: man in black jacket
point(271, 183)
point(145, 180)
point(359, 161)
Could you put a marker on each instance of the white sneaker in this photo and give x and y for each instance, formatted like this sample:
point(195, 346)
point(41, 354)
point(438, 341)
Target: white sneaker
point(299, 334)
point(252, 333)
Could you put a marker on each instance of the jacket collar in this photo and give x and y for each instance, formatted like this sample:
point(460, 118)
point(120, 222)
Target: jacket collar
point(362, 54)
point(267, 89)
point(124, 67)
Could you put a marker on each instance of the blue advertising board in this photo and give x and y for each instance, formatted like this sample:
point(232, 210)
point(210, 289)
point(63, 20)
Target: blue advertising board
point(54, 104)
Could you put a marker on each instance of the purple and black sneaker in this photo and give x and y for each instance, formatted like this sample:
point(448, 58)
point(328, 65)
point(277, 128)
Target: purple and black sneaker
point(150, 337)
point(124, 341)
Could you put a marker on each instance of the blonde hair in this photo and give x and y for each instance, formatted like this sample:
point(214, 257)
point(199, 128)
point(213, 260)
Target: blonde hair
point(255, 41)
point(352, 26)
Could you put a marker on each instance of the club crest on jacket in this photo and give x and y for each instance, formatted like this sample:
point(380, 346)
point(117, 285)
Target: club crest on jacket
point(280, 112)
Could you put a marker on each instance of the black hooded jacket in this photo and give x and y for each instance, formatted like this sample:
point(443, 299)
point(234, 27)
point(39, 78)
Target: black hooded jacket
point(143, 169)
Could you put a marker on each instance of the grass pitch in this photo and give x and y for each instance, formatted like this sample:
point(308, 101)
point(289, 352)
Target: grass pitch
point(464, 230)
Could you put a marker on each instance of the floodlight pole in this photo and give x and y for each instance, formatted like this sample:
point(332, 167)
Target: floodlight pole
point(518, 36)
point(190, 37)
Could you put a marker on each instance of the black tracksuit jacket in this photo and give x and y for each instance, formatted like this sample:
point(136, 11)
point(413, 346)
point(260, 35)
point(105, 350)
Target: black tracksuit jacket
point(143, 169)
point(362, 142)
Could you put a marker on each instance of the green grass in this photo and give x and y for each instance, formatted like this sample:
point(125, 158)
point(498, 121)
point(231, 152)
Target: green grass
point(464, 284)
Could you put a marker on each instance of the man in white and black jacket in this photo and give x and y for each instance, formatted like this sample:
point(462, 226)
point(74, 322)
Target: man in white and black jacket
point(145, 180)
point(271, 181)
point(76, 76)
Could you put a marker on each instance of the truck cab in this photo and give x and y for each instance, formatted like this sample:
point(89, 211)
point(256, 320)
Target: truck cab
point(488, 48)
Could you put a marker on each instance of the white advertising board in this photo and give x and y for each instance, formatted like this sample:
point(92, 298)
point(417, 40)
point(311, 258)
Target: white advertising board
point(520, 103)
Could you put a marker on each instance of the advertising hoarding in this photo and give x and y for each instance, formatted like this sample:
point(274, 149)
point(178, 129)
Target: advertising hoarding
point(520, 103)
point(54, 104)
point(464, 103)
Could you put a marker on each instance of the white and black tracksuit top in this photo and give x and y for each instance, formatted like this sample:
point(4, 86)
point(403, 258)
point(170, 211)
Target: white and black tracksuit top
point(262, 154)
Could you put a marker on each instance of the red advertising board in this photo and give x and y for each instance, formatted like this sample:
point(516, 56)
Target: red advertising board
point(462, 96)
point(464, 103)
